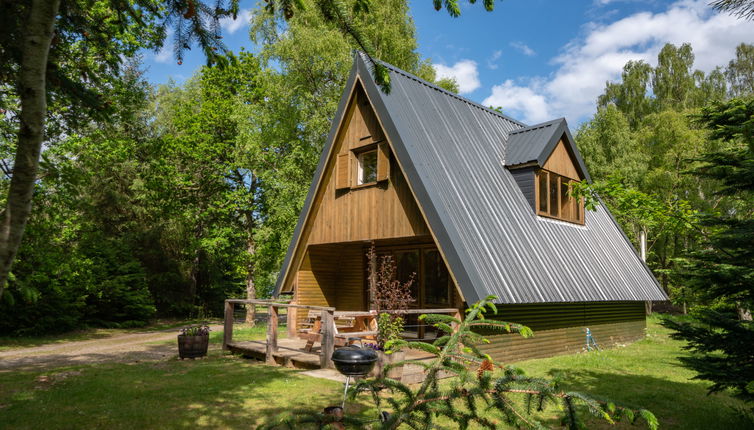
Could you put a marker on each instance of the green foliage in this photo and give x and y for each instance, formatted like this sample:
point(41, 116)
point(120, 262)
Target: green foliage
point(476, 395)
point(641, 145)
point(740, 71)
point(389, 329)
point(722, 270)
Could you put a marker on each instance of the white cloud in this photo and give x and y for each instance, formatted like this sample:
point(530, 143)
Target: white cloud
point(491, 62)
point(525, 100)
point(165, 54)
point(587, 63)
point(231, 25)
point(465, 73)
point(523, 48)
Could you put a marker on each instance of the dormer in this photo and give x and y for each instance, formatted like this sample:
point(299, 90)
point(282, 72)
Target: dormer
point(545, 163)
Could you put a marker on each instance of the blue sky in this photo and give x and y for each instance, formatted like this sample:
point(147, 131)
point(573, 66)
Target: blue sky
point(537, 59)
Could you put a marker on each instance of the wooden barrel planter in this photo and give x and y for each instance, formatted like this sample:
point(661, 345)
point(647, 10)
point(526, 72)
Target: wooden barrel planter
point(193, 342)
point(192, 346)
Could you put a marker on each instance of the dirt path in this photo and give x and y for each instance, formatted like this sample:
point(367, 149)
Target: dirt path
point(126, 348)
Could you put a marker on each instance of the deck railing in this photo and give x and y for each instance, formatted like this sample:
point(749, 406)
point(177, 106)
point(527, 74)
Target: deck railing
point(328, 326)
point(327, 332)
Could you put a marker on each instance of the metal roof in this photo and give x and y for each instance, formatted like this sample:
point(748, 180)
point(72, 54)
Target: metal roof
point(452, 153)
point(527, 144)
point(535, 144)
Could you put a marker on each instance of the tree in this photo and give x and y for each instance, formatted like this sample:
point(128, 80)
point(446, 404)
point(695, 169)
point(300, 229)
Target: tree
point(66, 51)
point(630, 96)
point(478, 395)
point(740, 71)
point(610, 148)
point(741, 8)
point(722, 271)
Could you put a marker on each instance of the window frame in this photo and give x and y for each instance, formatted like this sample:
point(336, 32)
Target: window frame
point(360, 169)
point(574, 207)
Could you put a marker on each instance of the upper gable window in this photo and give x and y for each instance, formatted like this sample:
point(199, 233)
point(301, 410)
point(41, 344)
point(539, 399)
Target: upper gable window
point(554, 199)
point(366, 172)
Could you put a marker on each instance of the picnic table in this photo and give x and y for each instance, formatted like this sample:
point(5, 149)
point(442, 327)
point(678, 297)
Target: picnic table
point(350, 327)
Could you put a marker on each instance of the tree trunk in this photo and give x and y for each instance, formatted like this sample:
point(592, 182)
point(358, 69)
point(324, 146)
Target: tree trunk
point(743, 313)
point(251, 249)
point(32, 92)
point(251, 289)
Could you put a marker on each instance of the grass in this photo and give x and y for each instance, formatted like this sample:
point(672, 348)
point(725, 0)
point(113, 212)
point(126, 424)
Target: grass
point(645, 374)
point(220, 392)
point(228, 392)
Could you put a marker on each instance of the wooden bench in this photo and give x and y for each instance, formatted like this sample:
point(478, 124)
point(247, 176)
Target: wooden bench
point(350, 327)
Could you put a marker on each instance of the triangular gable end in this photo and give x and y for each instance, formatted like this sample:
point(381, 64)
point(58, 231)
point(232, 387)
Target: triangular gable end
point(329, 203)
point(563, 162)
point(548, 145)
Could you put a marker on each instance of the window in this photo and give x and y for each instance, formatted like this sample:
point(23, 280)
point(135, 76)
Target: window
point(436, 285)
point(367, 168)
point(554, 198)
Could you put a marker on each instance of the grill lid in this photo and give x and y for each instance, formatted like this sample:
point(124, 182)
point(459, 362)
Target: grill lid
point(353, 355)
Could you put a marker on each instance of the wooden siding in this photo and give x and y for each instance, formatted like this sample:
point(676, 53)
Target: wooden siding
point(378, 211)
point(332, 276)
point(561, 162)
point(559, 328)
point(525, 179)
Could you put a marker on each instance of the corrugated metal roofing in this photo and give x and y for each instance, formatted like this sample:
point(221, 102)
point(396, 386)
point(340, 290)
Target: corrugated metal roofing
point(452, 153)
point(535, 144)
point(528, 143)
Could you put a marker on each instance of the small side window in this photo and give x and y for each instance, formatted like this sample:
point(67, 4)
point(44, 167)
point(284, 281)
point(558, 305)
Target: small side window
point(367, 168)
point(542, 187)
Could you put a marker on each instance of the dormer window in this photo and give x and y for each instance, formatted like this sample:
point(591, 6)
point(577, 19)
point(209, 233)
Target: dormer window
point(554, 199)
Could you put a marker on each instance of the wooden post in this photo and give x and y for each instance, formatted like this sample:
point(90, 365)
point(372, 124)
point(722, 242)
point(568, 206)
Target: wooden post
point(272, 334)
point(328, 339)
point(228, 325)
point(292, 321)
point(458, 316)
point(643, 251)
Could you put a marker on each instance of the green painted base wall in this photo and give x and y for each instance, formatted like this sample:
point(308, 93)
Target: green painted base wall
point(559, 328)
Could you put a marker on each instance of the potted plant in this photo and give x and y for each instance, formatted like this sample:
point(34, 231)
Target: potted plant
point(389, 328)
point(193, 341)
point(390, 298)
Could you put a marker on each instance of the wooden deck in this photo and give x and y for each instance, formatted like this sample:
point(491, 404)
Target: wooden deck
point(291, 353)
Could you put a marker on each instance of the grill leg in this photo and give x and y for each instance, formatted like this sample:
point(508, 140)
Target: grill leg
point(345, 392)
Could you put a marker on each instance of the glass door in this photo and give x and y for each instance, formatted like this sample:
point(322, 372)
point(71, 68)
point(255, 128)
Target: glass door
point(436, 280)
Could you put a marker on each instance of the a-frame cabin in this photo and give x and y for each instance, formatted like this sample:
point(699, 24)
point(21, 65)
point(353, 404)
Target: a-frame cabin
point(473, 203)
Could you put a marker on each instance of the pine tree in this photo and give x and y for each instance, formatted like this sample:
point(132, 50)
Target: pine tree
point(476, 394)
point(720, 337)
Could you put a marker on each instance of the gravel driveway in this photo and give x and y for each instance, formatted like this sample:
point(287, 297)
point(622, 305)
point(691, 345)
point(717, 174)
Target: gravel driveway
point(126, 348)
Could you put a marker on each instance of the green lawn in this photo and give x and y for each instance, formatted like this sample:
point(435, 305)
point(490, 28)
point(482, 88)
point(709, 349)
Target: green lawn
point(229, 392)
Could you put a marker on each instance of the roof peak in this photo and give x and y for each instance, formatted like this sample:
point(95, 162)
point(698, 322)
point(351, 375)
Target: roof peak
point(366, 59)
point(538, 126)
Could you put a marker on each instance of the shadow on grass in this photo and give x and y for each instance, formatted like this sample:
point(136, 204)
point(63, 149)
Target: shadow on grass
point(218, 392)
point(677, 405)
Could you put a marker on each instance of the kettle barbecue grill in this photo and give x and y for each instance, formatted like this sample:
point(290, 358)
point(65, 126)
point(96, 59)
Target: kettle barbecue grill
point(353, 361)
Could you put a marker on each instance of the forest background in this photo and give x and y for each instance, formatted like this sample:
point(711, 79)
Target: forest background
point(188, 194)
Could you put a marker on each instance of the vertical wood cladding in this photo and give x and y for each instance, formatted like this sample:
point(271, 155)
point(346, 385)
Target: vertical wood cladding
point(332, 276)
point(559, 328)
point(383, 210)
point(561, 162)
